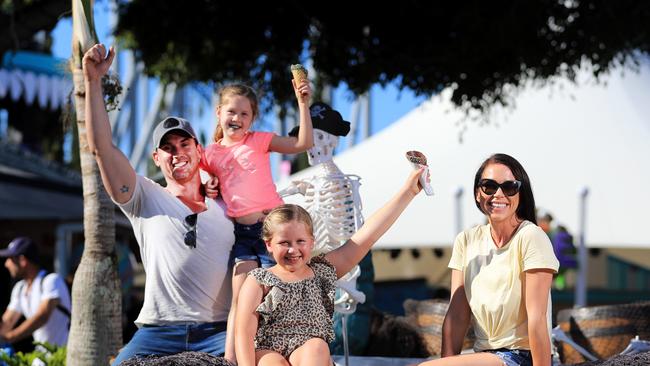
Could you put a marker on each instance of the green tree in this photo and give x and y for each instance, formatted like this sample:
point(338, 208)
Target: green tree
point(21, 19)
point(96, 324)
point(483, 49)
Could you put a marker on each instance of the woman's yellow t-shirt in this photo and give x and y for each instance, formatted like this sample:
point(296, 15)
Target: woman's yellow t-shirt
point(494, 282)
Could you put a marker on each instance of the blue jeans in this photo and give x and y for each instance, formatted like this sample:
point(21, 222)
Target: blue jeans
point(249, 245)
point(171, 339)
point(513, 357)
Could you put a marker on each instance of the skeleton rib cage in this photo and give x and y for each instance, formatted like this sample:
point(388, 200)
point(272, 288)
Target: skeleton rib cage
point(334, 205)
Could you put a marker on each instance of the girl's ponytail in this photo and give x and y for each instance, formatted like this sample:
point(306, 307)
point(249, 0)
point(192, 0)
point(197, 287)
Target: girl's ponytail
point(218, 133)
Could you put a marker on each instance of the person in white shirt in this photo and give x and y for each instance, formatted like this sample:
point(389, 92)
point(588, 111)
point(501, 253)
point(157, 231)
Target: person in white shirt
point(43, 299)
point(184, 238)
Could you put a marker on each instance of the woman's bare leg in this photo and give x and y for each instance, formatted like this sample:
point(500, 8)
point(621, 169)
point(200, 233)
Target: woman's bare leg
point(475, 359)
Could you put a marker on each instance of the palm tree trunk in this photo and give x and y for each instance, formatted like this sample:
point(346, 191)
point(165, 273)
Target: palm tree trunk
point(96, 328)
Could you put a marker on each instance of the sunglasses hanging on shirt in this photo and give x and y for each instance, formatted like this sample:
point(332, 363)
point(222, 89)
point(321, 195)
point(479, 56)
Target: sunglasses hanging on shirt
point(190, 225)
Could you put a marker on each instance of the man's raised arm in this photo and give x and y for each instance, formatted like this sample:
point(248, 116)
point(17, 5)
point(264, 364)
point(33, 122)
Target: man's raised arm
point(117, 173)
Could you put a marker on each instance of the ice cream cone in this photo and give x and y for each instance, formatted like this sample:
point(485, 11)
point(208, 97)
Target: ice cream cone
point(416, 157)
point(418, 160)
point(299, 73)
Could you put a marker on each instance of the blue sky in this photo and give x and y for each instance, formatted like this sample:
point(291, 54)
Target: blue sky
point(387, 104)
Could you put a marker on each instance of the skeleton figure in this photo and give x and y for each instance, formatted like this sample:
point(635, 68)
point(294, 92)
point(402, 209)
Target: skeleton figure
point(331, 197)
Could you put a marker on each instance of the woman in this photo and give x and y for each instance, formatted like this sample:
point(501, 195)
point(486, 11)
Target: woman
point(501, 276)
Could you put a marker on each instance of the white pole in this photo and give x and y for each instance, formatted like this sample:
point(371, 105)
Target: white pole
point(346, 348)
point(581, 283)
point(366, 115)
point(458, 195)
point(355, 118)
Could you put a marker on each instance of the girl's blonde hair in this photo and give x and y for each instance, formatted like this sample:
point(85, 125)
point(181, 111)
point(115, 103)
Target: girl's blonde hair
point(283, 214)
point(236, 89)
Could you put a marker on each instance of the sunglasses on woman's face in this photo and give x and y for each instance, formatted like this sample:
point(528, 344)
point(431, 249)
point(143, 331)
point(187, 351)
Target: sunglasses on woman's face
point(190, 224)
point(509, 187)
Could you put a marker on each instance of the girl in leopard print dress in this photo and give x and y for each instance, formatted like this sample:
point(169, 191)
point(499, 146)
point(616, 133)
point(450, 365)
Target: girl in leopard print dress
point(284, 313)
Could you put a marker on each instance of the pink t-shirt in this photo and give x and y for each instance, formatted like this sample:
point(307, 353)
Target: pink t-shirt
point(244, 172)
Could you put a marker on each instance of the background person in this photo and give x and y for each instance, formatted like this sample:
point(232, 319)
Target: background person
point(43, 299)
point(563, 247)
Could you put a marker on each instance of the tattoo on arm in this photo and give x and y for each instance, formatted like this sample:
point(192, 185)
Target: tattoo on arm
point(124, 189)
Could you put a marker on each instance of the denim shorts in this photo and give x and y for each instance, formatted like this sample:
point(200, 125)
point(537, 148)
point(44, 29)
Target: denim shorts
point(513, 357)
point(170, 339)
point(249, 245)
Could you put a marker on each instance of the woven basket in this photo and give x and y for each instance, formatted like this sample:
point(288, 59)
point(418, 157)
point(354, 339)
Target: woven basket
point(427, 316)
point(604, 331)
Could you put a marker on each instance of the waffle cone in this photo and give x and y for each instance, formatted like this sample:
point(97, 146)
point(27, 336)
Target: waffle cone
point(299, 73)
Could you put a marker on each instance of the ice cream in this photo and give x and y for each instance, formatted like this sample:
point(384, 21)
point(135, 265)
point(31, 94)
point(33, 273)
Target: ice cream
point(418, 160)
point(299, 73)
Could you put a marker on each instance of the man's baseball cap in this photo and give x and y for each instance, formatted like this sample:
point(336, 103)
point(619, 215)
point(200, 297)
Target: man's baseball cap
point(21, 245)
point(170, 124)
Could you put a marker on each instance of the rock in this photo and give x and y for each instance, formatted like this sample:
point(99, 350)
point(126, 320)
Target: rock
point(179, 359)
point(621, 360)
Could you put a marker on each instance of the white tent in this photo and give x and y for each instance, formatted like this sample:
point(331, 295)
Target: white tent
point(568, 138)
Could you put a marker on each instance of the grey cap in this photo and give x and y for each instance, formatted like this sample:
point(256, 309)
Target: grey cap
point(170, 124)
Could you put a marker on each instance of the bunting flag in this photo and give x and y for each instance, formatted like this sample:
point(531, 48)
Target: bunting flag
point(34, 78)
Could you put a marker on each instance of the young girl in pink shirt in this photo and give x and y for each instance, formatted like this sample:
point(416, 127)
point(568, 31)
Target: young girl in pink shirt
point(239, 159)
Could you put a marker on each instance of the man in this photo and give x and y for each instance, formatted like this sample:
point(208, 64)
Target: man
point(43, 299)
point(563, 247)
point(184, 238)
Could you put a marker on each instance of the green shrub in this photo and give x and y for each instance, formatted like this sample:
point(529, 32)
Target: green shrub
point(50, 355)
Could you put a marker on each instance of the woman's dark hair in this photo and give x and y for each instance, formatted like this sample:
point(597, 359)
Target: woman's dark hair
point(526, 208)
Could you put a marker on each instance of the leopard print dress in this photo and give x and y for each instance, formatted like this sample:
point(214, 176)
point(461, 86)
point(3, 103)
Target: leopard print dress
point(291, 313)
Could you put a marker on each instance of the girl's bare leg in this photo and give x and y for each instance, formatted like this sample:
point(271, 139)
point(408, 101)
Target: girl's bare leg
point(270, 358)
point(315, 352)
point(238, 277)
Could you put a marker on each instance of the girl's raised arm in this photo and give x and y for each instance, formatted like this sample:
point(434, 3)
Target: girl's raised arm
point(349, 254)
point(305, 139)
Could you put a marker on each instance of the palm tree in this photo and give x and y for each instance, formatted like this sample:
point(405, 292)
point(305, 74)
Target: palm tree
point(95, 331)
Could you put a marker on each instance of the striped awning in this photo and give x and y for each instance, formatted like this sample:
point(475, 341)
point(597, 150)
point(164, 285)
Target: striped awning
point(35, 78)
